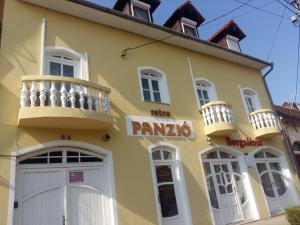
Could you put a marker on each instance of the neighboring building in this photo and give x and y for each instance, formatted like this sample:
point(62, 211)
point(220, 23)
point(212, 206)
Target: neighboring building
point(101, 127)
point(289, 115)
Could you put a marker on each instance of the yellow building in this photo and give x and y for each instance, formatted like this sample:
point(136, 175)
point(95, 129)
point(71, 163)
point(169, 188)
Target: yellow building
point(110, 119)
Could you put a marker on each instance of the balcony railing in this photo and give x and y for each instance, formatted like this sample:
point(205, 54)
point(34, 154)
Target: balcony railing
point(218, 118)
point(49, 93)
point(265, 123)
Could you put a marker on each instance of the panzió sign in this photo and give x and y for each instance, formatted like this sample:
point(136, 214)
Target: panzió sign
point(159, 127)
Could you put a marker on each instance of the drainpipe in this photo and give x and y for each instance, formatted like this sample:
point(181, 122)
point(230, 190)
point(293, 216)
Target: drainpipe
point(42, 46)
point(283, 130)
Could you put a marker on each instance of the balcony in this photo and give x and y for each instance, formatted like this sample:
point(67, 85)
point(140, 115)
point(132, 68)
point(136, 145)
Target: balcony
point(218, 119)
point(265, 123)
point(64, 103)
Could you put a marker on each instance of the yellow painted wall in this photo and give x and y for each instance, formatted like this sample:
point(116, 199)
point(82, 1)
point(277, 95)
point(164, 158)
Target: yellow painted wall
point(20, 55)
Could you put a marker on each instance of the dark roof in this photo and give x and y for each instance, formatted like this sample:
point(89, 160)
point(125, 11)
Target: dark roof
point(187, 10)
point(230, 28)
point(288, 111)
point(120, 4)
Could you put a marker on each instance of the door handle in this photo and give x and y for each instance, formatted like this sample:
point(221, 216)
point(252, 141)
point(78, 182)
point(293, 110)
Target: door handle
point(63, 220)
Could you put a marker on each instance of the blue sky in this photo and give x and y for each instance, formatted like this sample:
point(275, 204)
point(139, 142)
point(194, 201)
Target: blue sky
point(260, 28)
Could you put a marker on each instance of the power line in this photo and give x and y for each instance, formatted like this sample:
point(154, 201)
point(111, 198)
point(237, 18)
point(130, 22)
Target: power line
point(291, 4)
point(242, 14)
point(261, 9)
point(284, 5)
point(225, 14)
point(276, 34)
point(298, 58)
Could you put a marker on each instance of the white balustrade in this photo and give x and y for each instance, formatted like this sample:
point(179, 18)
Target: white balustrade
point(263, 118)
point(62, 92)
point(217, 112)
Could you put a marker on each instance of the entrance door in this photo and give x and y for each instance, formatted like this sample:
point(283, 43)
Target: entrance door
point(229, 199)
point(167, 187)
point(272, 180)
point(60, 188)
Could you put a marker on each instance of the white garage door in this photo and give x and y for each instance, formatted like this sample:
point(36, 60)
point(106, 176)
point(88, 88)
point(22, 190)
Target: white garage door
point(64, 187)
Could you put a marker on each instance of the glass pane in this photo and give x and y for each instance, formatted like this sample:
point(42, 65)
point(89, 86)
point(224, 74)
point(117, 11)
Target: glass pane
point(270, 155)
point(212, 155)
point(222, 189)
point(228, 178)
point(155, 86)
point(236, 167)
point(167, 155)
point(206, 167)
point(279, 183)
point(219, 179)
point(147, 96)
point(229, 188)
point(90, 159)
point(190, 31)
point(205, 95)
point(145, 83)
point(55, 160)
point(68, 71)
point(34, 161)
point(156, 155)
point(164, 174)
point(73, 160)
point(267, 185)
point(240, 188)
point(217, 168)
point(55, 153)
point(259, 155)
point(72, 153)
point(141, 13)
point(275, 166)
point(225, 168)
point(200, 95)
point(225, 155)
point(55, 68)
point(168, 201)
point(261, 167)
point(157, 97)
point(212, 193)
point(223, 178)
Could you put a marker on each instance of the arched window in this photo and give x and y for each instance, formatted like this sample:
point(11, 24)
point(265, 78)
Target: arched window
point(251, 100)
point(153, 85)
point(206, 91)
point(65, 62)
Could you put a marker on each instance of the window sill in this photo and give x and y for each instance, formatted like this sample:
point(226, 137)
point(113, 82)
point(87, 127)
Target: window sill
point(161, 103)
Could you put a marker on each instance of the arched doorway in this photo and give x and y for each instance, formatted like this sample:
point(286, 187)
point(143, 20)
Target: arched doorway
point(230, 197)
point(277, 188)
point(169, 185)
point(64, 185)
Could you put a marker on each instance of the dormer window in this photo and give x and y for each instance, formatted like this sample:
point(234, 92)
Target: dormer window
point(189, 27)
point(140, 10)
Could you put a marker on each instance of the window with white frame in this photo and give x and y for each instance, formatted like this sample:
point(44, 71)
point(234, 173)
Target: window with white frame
point(153, 86)
point(233, 43)
point(205, 91)
point(60, 61)
point(251, 100)
point(140, 10)
point(189, 27)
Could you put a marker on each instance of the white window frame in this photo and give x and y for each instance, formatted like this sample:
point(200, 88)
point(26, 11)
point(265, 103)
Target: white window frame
point(162, 83)
point(211, 90)
point(80, 63)
point(182, 198)
point(255, 98)
point(233, 43)
point(140, 5)
point(189, 23)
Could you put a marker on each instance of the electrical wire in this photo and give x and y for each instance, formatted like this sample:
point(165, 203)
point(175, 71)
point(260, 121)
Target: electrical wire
point(226, 14)
point(284, 5)
point(291, 4)
point(242, 14)
point(298, 58)
point(261, 9)
point(276, 34)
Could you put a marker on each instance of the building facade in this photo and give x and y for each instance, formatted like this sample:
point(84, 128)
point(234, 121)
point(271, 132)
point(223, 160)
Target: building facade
point(110, 119)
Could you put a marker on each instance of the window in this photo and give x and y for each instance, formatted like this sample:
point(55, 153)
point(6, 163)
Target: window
point(205, 91)
point(60, 61)
point(189, 27)
point(251, 100)
point(153, 86)
point(141, 10)
point(233, 43)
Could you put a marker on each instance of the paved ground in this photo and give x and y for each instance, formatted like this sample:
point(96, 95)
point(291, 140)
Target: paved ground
point(276, 220)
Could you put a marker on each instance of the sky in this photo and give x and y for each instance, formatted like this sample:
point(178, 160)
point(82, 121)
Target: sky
point(259, 26)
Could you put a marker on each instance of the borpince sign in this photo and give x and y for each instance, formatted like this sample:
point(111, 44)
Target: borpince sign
point(159, 127)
